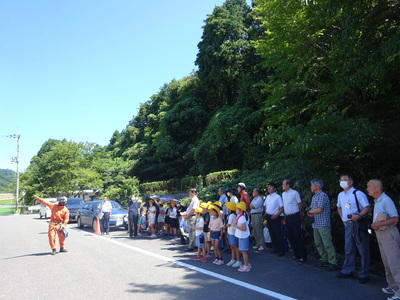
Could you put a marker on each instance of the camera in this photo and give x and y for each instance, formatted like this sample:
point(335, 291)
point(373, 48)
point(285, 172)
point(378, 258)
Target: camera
point(349, 216)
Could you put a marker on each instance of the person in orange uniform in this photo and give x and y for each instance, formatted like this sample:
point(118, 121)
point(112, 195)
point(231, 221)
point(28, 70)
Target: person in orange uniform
point(244, 196)
point(58, 220)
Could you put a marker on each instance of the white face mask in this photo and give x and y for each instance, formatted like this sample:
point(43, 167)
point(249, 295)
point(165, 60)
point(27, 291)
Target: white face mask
point(344, 184)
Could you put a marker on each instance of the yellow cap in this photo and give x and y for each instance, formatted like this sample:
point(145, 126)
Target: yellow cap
point(218, 203)
point(213, 207)
point(230, 205)
point(199, 210)
point(204, 205)
point(242, 206)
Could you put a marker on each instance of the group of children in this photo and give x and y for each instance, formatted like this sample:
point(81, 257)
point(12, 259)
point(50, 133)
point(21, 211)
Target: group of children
point(210, 226)
point(160, 219)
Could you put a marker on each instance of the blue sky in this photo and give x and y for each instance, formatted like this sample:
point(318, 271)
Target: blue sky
point(80, 69)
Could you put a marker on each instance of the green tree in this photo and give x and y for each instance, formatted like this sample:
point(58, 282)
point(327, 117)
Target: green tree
point(222, 52)
point(331, 67)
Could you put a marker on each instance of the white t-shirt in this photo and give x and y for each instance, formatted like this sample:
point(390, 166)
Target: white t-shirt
point(291, 198)
point(273, 204)
point(234, 199)
point(152, 211)
point(106, 206)
point(239, 233)
point(199, 223)
point(231, 220)
point(195, 203)
point(173, 212)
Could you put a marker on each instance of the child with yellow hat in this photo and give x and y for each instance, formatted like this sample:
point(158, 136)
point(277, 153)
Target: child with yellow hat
point(207, 237)
point(216, 227)
point(242, 232)
point(232, 239)
point(173, 218)
point(201, 250)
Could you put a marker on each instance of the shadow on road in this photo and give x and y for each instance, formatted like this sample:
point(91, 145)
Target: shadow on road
point(32, 254)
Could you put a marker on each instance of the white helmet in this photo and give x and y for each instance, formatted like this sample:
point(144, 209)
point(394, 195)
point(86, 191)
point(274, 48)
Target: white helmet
point(242, 185)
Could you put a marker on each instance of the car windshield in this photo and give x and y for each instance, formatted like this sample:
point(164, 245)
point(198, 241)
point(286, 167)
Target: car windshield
point(74, 202)
point(113, 203)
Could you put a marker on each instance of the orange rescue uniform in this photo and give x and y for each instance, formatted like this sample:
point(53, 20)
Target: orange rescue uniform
point(244, 197)
point(59, 217)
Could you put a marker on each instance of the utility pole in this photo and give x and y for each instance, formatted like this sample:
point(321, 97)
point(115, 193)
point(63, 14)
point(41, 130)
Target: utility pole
point(16, 160)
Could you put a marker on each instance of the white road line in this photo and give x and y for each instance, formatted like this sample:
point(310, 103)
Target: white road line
point(197, 269)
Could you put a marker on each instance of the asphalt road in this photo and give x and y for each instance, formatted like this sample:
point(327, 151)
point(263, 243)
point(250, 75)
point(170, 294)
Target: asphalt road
point(117, 267)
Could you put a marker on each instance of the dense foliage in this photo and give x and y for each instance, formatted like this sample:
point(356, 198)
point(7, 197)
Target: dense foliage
point(298, 89)
point(7, 180)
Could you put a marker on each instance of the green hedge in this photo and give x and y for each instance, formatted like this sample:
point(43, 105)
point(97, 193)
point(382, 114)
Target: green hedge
point(218, 177)
point(174, 186)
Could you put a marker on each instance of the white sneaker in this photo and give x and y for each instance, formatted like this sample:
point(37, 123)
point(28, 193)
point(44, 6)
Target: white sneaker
point(261, 248)
point(237, 264)
point(215, 261)
point(229, 264)
point(388, 290)
point(255, 247)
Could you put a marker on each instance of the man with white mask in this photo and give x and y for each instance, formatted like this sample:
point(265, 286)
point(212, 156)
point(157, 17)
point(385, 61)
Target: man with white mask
point(352, 206)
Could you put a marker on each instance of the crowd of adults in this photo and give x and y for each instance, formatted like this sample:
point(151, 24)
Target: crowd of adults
point(228, 223)
point(283, 215)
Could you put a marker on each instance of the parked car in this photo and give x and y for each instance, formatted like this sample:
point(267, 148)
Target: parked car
point(88, 213)
point(73, 204)
point(45, 211)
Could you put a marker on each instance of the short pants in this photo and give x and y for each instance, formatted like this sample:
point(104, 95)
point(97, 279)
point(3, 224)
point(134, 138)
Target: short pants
point(232, 240)
point(244, 244)
point(200, 240)
point(215, 235)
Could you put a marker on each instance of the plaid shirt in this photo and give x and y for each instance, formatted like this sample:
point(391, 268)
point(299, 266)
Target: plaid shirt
point(322, 219)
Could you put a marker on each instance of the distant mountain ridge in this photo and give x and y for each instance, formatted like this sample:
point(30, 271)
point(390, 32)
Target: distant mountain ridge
point(7, 178)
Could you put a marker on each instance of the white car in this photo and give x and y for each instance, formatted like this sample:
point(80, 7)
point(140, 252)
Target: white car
point(45, 211)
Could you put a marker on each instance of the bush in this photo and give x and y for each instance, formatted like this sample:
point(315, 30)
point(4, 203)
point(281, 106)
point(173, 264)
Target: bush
point(218, 177)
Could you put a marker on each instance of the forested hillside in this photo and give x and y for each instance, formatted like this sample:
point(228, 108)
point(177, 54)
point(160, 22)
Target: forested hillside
point(288, 88)
point(7, 180)
point(300, 88)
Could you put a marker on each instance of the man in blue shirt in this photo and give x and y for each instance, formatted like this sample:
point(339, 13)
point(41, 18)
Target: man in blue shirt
point(352, 206)
point(384, 224)
point(223, 199)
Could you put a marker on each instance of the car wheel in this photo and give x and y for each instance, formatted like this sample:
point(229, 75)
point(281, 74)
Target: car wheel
point(79, 223)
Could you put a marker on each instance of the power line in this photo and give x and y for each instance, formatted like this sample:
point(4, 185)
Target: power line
point(39, 178)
